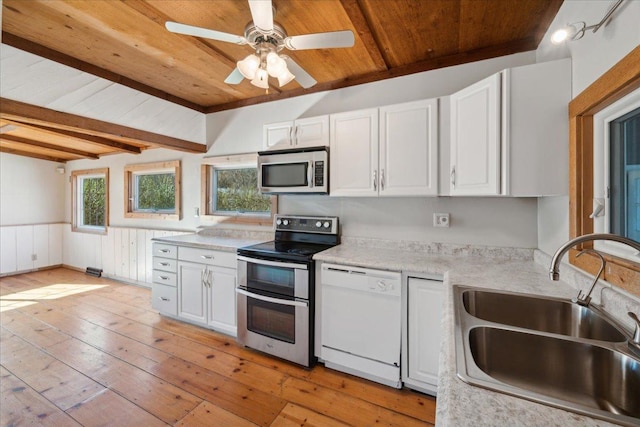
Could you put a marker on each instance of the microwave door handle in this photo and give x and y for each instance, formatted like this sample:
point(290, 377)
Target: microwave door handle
point(310, 174)
point(272, 300)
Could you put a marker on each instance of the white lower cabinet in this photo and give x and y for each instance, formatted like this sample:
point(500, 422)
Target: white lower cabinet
point(198, 286)
point(423, 334)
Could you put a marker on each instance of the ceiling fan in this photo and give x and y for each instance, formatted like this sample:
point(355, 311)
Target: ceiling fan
point(268, 38)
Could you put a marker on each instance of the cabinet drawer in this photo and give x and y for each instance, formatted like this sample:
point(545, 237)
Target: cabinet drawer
point(165, 278)
point(165, 264)
point(164, 299)
point(206, 256)
point(166, 251)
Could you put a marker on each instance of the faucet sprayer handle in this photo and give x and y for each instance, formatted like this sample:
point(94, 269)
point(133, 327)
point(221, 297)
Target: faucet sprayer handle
point(636, 332)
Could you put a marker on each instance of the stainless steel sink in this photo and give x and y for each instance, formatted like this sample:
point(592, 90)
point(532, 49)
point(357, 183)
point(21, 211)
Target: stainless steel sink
point(540, 314)
point(545, 350)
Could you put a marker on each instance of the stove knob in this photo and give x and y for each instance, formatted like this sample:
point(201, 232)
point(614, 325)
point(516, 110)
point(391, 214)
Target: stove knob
point(278, 221)
point(318, 224)
point(326, 224)
point(285, 222)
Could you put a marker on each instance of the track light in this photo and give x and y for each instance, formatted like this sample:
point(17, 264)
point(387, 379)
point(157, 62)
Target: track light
point(576, 30)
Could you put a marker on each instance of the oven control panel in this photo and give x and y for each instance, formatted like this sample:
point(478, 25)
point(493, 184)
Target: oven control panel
point(307, 224)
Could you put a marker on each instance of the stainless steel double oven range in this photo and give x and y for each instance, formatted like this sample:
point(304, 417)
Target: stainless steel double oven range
point(276, 287)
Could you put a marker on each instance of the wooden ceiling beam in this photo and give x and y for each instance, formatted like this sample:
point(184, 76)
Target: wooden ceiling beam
point(92, 139)
point(61, 58)
point(40, 144)
point(363, 28)
point(34, 155)
point(33, 114)
point(418, 67)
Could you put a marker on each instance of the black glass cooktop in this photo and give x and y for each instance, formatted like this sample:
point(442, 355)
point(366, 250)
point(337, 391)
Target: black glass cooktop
point(294, 251)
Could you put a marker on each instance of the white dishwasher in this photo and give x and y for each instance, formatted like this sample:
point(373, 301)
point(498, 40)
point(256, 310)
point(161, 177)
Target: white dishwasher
point(361, 322)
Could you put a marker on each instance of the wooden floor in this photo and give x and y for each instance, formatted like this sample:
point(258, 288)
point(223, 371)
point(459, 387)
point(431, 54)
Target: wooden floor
point(78, 350)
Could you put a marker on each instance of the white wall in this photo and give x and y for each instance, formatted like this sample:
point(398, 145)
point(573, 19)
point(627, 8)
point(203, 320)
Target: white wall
point(31, 191)
point(482, 221)
point(591, 57)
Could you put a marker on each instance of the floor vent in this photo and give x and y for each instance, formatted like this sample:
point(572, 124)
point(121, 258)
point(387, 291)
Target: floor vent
point(91, 271)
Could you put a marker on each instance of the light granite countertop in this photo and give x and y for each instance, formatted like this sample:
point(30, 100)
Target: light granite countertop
point(458, 403)
point(218, 243)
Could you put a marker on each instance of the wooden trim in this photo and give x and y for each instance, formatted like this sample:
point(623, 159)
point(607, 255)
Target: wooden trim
point(33, 114)
point(130, 170)
point(205, 193)
point(61, 58)
point(622, 79)
point(74, 202)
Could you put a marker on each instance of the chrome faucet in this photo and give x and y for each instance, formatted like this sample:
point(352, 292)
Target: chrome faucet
point(555, 261)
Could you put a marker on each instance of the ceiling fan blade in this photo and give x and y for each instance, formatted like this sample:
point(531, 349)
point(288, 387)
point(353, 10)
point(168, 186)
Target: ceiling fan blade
point(320, 40)
point(234, 78)
point(262, 14)
point(302, 77)
point(190, 30)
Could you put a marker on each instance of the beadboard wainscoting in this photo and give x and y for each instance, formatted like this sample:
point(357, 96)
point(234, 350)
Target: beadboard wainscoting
point(30, 247)
point(123, 253)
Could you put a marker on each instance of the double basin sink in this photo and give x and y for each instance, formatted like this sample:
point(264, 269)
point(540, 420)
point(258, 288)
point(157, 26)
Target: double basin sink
point(547, 350)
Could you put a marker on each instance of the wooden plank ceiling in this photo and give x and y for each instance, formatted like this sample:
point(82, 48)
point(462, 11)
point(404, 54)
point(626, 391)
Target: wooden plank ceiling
point(126, 42)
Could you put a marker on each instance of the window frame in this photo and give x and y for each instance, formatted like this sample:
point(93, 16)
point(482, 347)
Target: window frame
point(228, 162)
point(131, 171)
point(75, 178)
point(619, 81)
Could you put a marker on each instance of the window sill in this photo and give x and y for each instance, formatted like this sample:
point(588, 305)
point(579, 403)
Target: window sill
point(150, 215)
point(262, 220)
point(102, 232)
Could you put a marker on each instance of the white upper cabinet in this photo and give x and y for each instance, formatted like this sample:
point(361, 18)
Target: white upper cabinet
point(408, 163)
point(475, 138)
point(353, 163)
point(391, 151)
point(309, 132)
point(509, 133)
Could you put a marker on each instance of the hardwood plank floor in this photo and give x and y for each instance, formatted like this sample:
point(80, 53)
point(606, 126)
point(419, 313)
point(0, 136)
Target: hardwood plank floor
point(80, 350)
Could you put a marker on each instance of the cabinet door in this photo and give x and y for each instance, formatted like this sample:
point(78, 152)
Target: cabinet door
point(311, 132)
point(24, 240)
point(277, 135)
point(354, 153)
point(222, 299)
point(475, 139)
point(192, 292)
point(409, 149)
point(424, 307)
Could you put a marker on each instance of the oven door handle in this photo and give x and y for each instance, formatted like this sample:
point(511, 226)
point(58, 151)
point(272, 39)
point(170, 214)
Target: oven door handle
point(272, 263)
point(273, 300)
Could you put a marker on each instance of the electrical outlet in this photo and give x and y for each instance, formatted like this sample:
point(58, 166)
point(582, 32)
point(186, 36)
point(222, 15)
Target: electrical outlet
point(441, 220)
point(34, 257)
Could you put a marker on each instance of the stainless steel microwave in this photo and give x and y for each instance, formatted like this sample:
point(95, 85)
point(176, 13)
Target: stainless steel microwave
point(294, 171)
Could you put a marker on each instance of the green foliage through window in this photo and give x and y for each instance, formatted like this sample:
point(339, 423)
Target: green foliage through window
point(155, 192)
point(93, 202)
point(236, 190)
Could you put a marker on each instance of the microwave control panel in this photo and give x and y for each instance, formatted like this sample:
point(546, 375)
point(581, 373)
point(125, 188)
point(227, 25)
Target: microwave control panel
point(318, 173)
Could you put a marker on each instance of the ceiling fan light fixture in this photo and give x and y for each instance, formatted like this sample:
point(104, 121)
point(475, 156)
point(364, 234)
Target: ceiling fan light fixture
point(249, 66)
point(261, 79)
point(285, 77)
point(275, 64)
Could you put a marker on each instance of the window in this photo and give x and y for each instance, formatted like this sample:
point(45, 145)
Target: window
point(617, 173)
point(153, 190)
point(621, 80)
point(230, 191)
point(90, 195)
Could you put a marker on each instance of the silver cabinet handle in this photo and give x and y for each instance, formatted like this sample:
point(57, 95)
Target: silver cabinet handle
point(164, 251)
point(382, 180)
point(164, 264)
point(207, 257)
point(164, 277)
point(165, 299)
point(453, 176)
point(375, 180)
